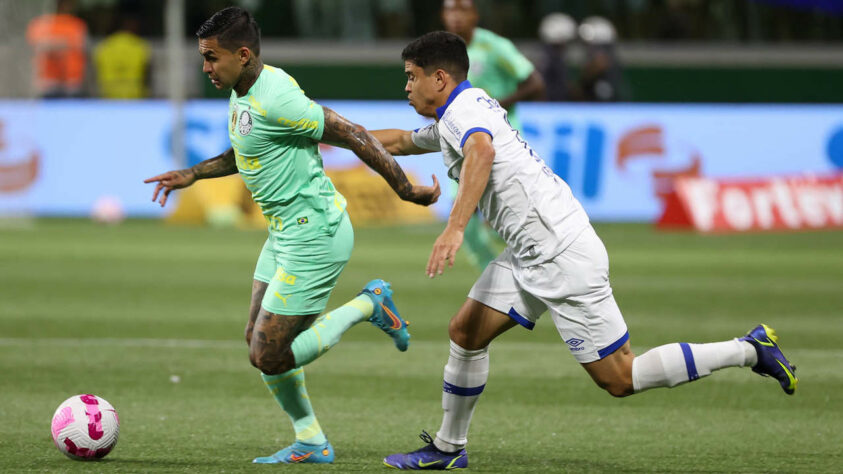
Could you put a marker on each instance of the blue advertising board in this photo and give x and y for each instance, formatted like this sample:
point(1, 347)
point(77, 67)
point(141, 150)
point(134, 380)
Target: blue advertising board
point(79, 152)
point(59, 157)
point(619, 158)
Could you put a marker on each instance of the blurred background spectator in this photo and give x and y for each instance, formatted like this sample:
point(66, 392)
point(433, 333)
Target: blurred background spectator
point(58, 42)
point(600, 79)
point(122, 61)
point(557, 31)
point(496, 65)
point(346, 19)
point(671, 50)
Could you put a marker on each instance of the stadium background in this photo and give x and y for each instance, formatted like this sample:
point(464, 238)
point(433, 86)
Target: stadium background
point(741, 89)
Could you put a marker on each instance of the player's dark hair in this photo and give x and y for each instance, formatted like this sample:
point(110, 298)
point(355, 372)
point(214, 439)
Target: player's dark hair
point(234, 28)
point(438, 50)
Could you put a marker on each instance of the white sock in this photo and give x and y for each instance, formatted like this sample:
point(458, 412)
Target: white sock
point(674, 364)
point(465, 376)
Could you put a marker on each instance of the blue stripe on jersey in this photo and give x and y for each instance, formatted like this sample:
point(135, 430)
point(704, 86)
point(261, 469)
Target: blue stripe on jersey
point(689, 361)
point(474, 130)
point(462, 391)
point(521, 319)
point(613, 346)
point(440, 111)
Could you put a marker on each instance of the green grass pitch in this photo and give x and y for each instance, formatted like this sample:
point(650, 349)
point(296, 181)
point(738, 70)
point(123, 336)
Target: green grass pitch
point(116, 311)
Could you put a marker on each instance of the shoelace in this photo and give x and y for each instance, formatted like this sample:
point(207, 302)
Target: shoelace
point(426, 437)
point(378, 322)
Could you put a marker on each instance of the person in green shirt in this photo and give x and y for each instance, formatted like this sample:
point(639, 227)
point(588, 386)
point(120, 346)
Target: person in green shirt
point(497, 67)
point(275, 130)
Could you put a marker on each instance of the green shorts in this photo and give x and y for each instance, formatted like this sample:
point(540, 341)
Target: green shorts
point(302, 273)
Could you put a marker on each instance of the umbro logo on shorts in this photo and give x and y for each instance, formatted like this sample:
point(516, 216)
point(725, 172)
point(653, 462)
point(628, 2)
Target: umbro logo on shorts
point(575, 343)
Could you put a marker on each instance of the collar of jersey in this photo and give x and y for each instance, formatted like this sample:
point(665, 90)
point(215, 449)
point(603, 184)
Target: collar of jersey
point(440, 111)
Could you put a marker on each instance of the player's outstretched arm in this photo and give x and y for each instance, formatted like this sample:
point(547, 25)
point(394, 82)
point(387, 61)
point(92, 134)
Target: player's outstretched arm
point(474, 176)
point(398, 142)
point(342, 132)
point(221, 165)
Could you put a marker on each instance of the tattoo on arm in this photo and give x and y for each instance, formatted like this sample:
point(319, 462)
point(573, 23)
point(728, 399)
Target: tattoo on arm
point(222, 165)
point(339, 130)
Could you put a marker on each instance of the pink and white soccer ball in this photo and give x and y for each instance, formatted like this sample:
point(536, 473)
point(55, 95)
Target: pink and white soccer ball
point(85, 427)
point(108, 210)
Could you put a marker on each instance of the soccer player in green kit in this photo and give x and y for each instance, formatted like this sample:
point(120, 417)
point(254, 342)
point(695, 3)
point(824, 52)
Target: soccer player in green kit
point(274, 130)
point(497, 67)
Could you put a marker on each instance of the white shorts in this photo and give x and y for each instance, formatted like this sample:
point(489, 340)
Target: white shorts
point(574, 286)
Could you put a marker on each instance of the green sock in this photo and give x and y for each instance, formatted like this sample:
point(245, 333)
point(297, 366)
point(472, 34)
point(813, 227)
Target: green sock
point(325, 332)
point(289, 390)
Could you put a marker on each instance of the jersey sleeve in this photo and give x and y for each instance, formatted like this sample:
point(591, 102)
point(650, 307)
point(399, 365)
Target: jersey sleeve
point(291, 112)
point(512, 62)
point(427, 138)
point(462, 122)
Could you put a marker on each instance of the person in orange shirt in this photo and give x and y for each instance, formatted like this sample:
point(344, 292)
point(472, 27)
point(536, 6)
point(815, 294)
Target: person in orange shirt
point(58, 41)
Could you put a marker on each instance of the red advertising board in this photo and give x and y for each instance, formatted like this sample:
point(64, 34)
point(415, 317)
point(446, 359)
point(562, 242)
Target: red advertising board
point(741, 205)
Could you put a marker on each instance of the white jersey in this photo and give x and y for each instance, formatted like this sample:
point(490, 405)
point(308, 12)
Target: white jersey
point(531, 208)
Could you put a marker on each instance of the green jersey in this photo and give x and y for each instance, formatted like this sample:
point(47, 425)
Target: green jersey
point(496, 66)
point(274, 130)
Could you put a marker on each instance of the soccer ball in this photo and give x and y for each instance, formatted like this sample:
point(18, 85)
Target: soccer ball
point(85, 427)
point(108, 210)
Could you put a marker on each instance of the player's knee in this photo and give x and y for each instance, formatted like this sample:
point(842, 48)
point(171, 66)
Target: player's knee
point(271, 366)
point(267, 362)
point(614, 372)
point(465, 338)
point(461, 336)
point(616, 386)
point(253, 357)
point(620, 389)
point(455, 331)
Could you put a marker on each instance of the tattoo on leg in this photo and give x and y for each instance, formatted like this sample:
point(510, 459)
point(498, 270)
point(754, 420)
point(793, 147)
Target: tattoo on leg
point(271, 340)
point(258, 290)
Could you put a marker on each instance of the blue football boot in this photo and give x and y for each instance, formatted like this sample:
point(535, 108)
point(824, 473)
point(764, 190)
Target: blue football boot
point(428, 458)
point(771, 361)
point(385, 315)
point(301, 453)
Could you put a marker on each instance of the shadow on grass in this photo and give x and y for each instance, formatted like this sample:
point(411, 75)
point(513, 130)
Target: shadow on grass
point(114, 464)
point(547, 463)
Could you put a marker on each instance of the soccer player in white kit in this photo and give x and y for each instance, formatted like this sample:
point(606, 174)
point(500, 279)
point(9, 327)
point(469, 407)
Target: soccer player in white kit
point(554, 261)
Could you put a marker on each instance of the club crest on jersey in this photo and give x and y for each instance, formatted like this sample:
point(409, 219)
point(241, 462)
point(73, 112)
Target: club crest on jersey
point(244, 124)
